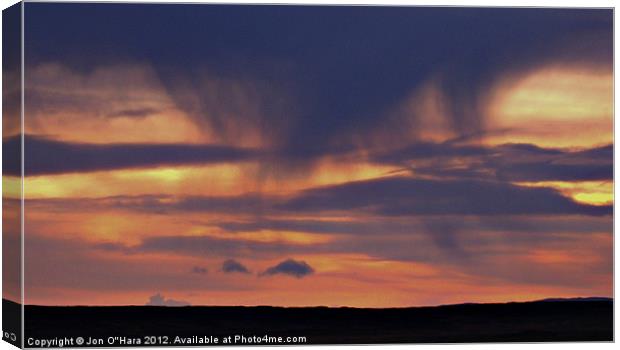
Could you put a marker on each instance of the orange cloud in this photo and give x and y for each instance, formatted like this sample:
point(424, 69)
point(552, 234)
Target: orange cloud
point(230, 179)
point(556, 106)
point(588, 192)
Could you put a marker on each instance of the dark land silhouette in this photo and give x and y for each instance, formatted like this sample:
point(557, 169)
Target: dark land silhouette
point(557, 320)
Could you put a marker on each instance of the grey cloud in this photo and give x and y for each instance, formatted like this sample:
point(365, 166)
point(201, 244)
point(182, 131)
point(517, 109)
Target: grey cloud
point(290, 267)
point(509, 162)
point(134, 113)
point(159, 300)
point(231, 266)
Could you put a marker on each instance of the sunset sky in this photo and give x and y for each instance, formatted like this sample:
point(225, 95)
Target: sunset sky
point(292, 155)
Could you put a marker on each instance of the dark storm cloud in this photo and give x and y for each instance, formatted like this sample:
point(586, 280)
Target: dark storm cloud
point(403, 196)
point(231, 266)
point(45, 156)
point(325, 86)
point(289, 267)
point(508, 162)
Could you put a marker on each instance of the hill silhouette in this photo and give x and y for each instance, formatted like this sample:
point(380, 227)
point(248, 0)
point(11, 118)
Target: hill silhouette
point(589, 319)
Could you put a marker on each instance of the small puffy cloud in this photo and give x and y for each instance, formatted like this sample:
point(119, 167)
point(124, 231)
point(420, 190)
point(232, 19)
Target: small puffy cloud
point(160, 300)
point(200, 270)
point(290, 267)
point(230, 266)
